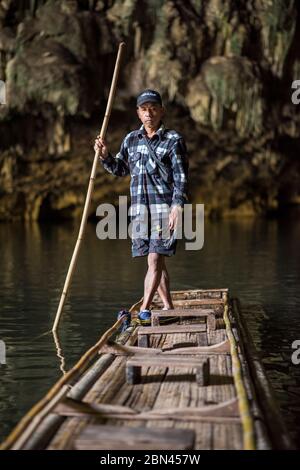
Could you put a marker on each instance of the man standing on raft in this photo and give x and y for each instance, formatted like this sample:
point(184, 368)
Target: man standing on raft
point(156, 159)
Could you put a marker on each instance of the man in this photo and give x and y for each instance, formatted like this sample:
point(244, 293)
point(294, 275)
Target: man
point(156, 159)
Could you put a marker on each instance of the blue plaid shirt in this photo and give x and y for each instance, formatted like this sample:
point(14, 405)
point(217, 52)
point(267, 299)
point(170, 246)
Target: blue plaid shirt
point(147, 187)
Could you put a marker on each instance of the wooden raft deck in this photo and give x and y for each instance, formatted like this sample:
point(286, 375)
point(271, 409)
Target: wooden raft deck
point(183, 385)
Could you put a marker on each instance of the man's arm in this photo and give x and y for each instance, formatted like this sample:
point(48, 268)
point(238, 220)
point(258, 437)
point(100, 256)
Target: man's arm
point(118, 165)
point(179, 163)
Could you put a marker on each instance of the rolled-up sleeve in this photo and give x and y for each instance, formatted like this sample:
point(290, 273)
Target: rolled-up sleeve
point(117, 165)
point(179, 161)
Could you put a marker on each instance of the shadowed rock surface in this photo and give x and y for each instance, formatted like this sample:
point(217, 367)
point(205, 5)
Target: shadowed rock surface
point(224, 68)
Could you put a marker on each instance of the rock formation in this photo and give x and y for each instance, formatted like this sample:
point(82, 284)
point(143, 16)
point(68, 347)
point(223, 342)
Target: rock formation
point(224, 67)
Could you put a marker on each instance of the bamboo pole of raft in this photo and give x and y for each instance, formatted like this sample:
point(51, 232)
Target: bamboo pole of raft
point(31, 420)
point(90, 188)
point(243, 402)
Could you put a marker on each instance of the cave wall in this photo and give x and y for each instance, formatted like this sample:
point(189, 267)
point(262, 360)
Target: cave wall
point(225, 70)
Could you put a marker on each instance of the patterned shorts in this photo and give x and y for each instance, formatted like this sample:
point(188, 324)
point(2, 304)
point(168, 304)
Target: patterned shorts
point(153, 239)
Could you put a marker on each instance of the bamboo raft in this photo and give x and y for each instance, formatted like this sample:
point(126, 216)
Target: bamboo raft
point(194, 383)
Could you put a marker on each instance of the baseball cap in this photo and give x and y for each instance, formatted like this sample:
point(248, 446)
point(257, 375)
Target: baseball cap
point(148, 96)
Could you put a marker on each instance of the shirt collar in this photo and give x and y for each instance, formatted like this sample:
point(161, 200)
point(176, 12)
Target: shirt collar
point(160, 131)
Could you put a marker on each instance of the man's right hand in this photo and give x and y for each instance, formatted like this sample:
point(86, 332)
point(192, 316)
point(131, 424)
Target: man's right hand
point(100, 146)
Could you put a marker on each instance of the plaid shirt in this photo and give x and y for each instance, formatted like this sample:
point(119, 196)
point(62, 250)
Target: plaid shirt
point(147, 187)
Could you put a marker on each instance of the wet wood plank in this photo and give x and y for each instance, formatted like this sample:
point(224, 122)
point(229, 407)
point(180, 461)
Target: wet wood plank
point(185, 312)
point(149, 330)
point(97, 437)
point(134, 366)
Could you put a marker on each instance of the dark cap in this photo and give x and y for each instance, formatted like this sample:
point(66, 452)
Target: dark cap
point(148, 96)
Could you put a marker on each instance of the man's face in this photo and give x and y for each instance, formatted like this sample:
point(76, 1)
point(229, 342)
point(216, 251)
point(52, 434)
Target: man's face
point(150, 114)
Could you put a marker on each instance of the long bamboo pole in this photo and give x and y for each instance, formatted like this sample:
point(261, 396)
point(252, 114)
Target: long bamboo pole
point(90, 188)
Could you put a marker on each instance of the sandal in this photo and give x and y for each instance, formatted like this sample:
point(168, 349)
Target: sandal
point(145, 317)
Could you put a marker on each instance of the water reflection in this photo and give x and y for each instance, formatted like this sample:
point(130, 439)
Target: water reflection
point(59, 353)
point(257, 259)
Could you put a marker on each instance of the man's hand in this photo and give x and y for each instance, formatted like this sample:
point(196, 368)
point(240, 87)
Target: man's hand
point(100, 146)
point(174, 216)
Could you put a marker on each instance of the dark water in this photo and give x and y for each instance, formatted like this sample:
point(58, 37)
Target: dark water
point(258, 260)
